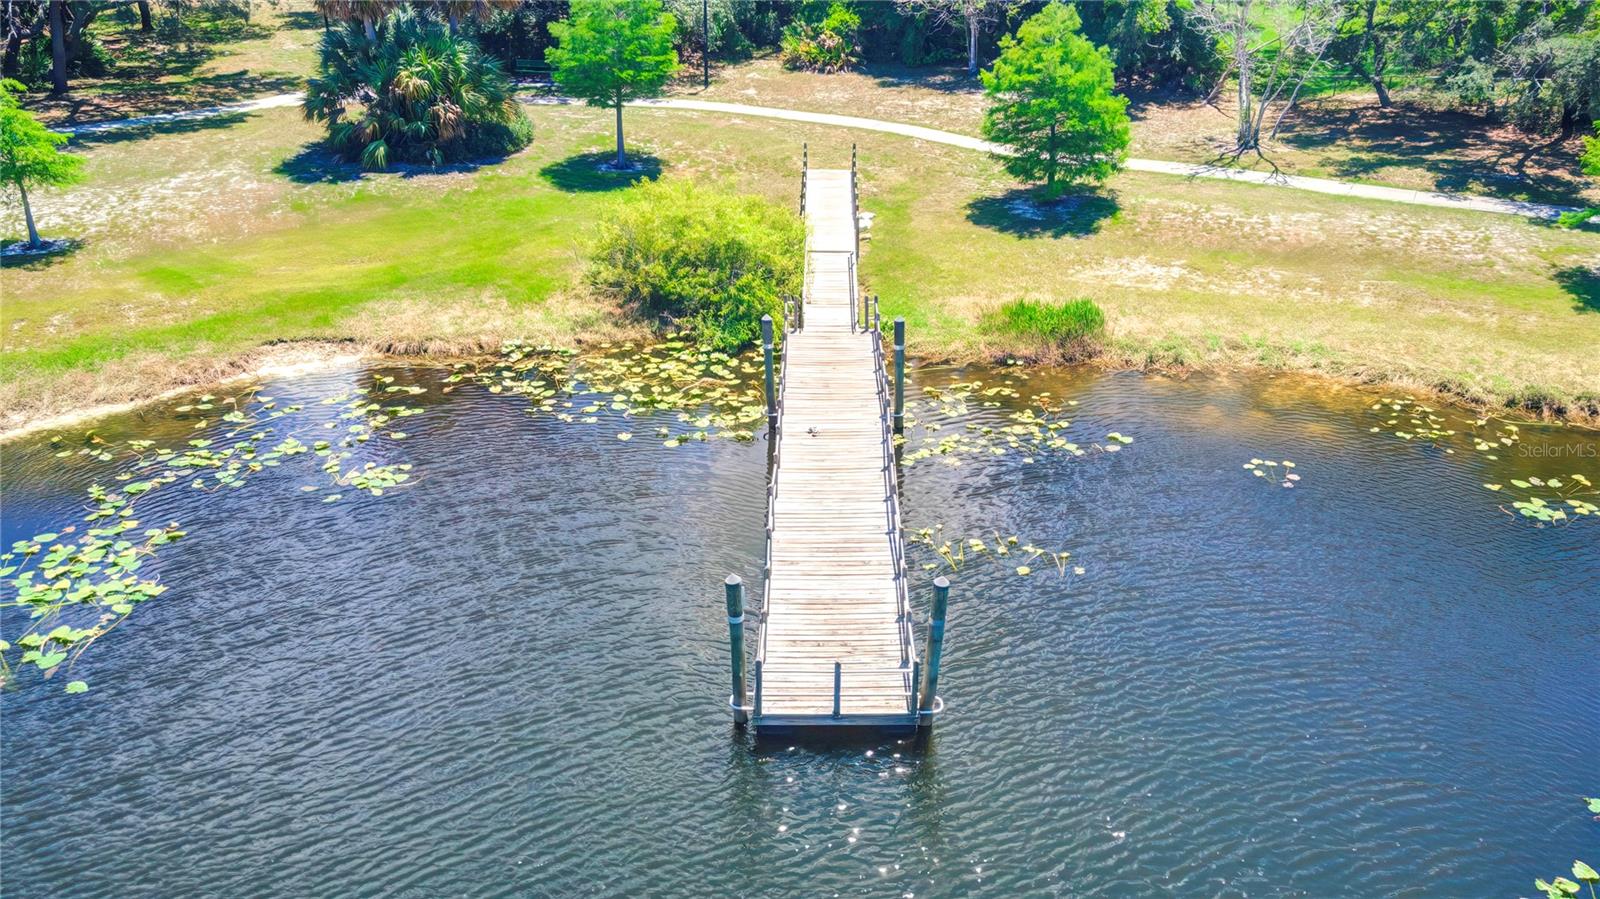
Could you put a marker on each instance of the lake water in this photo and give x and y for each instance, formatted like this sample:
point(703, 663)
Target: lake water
point(508, 675)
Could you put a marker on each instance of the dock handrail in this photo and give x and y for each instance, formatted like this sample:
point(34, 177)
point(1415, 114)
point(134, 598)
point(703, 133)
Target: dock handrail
point(897, 550)
point(805, 165)
point(841, 671)
point(772, 499)
point(858, 325)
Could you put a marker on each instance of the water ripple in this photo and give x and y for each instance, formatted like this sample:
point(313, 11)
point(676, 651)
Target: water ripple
point(509, 677)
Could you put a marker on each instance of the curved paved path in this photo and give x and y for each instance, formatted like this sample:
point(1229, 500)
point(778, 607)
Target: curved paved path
point(933, 135)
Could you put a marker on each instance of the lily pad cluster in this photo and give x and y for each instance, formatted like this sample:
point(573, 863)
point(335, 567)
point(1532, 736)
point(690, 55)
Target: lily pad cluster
point(712, 393)
point(76, 588)
point(1282, 473)
point(1038, 428)
point(1541, 501)
point(958, 552)
point(365, 415)
point(1582, 872)
point(1414, 421)
point(1565, 502)
point(92, 577)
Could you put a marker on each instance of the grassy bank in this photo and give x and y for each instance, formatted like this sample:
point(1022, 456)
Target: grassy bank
point(201, 245)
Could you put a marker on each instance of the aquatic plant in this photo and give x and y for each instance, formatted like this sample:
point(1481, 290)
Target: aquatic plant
point(1034, 430)
point(96, 571)
point(957, 553)
point(1561, 887)
point(1562, 507)
point(1414, 421)
point(76, 590)
point(709, 392)
point(1542, 501)
point(1266, 468)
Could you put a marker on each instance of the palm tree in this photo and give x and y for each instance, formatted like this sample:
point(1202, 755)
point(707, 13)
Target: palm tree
point(368, 12)
point(420, 94)
point(456, 10)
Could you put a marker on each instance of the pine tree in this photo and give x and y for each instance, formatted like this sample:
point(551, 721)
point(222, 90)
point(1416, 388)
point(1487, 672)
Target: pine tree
point(1052, 101)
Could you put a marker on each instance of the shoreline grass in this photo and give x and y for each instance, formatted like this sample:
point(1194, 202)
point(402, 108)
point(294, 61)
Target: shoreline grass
point(1172, 357)
point(1192, 276)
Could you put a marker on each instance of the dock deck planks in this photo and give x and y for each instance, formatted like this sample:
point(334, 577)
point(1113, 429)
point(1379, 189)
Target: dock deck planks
point(835, 588)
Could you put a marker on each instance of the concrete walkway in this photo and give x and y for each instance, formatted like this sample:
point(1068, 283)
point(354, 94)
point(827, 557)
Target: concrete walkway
point(933, 135)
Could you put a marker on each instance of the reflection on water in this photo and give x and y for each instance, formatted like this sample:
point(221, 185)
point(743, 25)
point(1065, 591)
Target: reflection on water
point(508, 675)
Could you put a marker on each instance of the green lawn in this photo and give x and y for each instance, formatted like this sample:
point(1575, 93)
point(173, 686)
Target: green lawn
point(249, 240)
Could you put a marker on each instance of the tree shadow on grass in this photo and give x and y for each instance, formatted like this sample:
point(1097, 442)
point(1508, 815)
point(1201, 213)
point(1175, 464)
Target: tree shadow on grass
point(1583, 284)
point(58, 250)
point(945, 79)
point(1023, 213)
point(317, 164)
point(139, 98)
point(587, 172)
point(1460, 151)
point(158, 129)
point(302, 19)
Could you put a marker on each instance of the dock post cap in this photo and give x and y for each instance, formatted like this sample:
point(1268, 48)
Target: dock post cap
point(733, 580)
point(942, 582)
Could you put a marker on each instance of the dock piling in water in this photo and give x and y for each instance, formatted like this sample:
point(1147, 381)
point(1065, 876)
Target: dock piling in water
point(756, 709)
point(734, 587)
point(899, 374)
point(928, 695)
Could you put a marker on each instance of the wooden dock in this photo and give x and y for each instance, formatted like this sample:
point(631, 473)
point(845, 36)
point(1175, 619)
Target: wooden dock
point(835, 648)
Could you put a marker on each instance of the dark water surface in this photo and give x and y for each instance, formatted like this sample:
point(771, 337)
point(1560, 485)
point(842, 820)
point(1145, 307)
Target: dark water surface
point(509, 678)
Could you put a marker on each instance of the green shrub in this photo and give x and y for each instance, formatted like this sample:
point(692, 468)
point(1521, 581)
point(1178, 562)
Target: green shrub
point(1074, 327)
point(493, 140)
point(829, 46)
point(412, 92)
point(712, 261)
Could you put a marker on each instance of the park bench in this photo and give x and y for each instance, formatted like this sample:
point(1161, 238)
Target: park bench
point(533, 69)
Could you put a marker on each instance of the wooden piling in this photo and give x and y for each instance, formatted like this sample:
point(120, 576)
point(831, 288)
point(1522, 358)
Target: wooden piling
point(930, 669)
point(734, 588)
point(899, 374)
point(838, 681)
point(772, 381)
point(757, 709)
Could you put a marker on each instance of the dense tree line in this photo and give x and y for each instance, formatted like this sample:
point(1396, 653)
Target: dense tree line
point(1534, 63)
